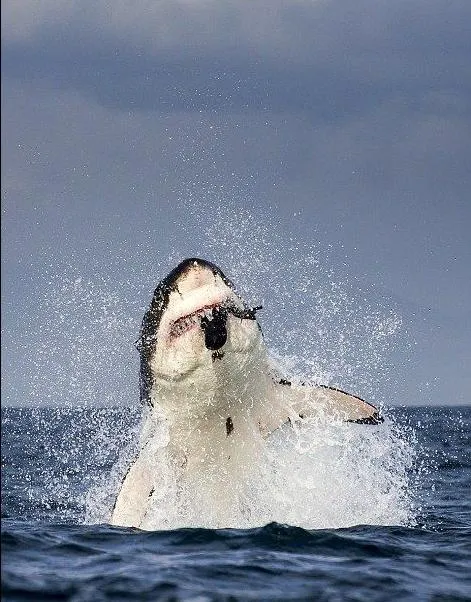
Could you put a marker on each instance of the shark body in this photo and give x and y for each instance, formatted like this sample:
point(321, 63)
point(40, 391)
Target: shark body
point(206, 374)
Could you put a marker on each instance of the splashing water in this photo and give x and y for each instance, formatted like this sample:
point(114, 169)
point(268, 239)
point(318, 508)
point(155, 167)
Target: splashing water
point(320, 475)
point(323, 474)
point(321, 329)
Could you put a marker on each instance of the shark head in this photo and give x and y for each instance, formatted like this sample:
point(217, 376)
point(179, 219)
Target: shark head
point(196, 318)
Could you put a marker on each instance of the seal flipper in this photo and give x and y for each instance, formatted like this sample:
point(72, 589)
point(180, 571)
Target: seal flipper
point(309, 401)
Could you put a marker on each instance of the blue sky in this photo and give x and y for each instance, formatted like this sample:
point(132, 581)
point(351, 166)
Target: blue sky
point(319, 151)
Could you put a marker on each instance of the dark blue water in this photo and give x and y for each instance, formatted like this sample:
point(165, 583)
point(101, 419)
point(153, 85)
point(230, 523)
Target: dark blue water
point(51, 464)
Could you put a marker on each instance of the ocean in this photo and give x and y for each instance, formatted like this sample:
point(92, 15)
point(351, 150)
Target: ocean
point(365, 513)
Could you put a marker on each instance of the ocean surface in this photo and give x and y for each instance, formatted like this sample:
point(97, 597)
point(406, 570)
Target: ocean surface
point(383, 514)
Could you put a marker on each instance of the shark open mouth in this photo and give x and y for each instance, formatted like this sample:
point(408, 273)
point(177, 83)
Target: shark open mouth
point(212, 320)
point(193, 320)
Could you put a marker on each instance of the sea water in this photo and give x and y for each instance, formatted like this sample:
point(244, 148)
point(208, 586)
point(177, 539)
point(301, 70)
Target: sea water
point(345, 512)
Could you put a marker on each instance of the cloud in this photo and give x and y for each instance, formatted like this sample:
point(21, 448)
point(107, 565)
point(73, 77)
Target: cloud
point(329, 60)
point(352, 117)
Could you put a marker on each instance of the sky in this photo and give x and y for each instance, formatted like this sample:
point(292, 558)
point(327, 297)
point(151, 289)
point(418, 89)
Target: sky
point(319, 151)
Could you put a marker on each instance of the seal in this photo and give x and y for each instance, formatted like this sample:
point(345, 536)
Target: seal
point(205, 374)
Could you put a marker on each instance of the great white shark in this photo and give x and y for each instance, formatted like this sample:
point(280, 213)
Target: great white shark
point(205, 373)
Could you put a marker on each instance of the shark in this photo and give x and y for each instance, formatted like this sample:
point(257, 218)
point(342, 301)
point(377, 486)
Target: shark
point(207, 376)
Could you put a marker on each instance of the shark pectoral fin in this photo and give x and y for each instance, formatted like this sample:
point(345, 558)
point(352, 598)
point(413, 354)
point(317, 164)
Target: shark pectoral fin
point(310, 401)
point(136, 490)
